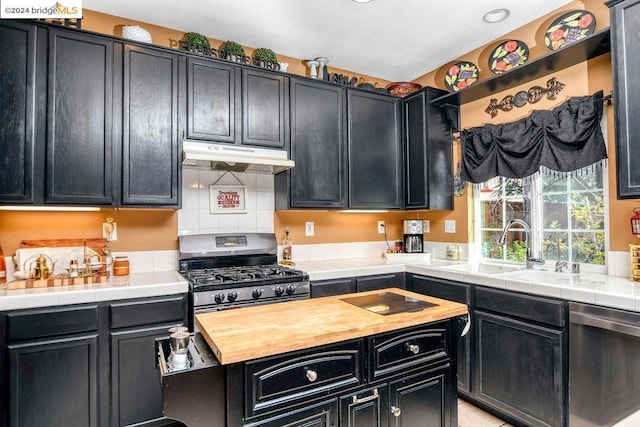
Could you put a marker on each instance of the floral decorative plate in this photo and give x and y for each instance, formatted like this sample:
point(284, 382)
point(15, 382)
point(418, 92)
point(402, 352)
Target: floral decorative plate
point(461, 75)
point(569, 28)
point(508, 55)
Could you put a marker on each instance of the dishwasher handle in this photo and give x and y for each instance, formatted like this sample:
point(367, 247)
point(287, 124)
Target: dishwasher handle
point(604, 323)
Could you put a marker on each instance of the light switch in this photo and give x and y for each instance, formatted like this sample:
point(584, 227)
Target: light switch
point(449, 225)
point(308, 228)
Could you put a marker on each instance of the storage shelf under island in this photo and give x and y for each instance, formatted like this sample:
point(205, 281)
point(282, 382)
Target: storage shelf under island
point(387, 355)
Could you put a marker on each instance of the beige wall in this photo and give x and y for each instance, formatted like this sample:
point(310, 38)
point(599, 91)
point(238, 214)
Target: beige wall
point(152, 229)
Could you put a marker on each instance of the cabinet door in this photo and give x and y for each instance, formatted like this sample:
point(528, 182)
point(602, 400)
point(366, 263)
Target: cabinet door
point(520, 369)
point(211, 103)
point(150, 157)
point(375, 152)
point(458, 292)
point(19, 100)
point(79, 119)
point(136, 393)
point(265, 118)
point(54, 383)
point(321, 415)
point(366, 408)
point(317, 145)
point(625, 51)
point(426, 399)
point(428, 154)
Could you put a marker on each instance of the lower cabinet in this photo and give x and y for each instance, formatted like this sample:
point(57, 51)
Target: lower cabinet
point(324, 288)
point(85, 365)
point(401, 378)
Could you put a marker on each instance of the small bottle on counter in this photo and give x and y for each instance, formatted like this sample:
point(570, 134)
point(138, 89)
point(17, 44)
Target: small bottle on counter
point(73, 268)
point(287, 249)
point(121, 266)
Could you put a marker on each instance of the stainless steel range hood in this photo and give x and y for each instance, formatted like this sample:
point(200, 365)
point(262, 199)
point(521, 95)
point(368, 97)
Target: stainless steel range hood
point(234, 158)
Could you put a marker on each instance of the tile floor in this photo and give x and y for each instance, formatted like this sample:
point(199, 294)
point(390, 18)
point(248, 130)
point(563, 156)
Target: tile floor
point(470, 416)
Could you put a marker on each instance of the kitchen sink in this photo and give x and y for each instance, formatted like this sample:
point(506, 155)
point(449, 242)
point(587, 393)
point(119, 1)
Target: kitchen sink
point(484, 268)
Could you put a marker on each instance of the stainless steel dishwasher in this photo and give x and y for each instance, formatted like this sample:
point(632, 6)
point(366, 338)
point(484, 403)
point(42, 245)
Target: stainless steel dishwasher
point(604, 366)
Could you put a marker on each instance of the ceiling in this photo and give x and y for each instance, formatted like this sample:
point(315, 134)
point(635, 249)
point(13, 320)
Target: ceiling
point(396, 40)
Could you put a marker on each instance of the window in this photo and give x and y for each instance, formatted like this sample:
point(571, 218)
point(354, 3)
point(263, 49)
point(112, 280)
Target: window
point(566, 213)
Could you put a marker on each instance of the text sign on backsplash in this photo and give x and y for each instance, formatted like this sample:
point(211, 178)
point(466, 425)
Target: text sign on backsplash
point(227, 199)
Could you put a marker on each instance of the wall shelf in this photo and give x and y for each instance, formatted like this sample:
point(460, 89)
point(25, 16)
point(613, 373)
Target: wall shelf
point(591, 47)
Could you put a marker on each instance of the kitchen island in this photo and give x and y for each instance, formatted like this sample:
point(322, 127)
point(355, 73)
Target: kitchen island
point(369, 359)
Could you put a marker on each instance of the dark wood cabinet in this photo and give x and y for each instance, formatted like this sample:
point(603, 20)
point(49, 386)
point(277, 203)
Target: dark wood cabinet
point(79, 139)
point(365, 408)
point(424, 399)
point(458, 292)
point(22, 137)
point(151, 139)
point(625, 54)
point(521, 356)
point(318, 148)
point(265, 116)
point(349, 285)
point(324, 414)
point(211, 100)
point(374, 151)
point(85, 365)
point(379, 281)
point(325, 288)
point(428, 168)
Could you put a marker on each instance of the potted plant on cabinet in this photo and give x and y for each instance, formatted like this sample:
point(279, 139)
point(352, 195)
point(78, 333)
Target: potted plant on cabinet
point(196, 43)
point(232, 51)
point(265, 58)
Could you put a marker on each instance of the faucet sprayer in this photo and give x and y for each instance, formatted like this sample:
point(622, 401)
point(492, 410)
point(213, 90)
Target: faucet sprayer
point(529, 260)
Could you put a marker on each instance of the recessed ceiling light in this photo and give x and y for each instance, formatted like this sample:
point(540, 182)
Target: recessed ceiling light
point(496, 15)
point(362, 1)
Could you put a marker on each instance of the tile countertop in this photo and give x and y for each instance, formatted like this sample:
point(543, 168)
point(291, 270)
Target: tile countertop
point(135, 285)
point(591, 288)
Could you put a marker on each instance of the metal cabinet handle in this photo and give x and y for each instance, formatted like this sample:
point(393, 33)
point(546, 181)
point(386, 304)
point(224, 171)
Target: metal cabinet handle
point(311, 375)
point(413, 348)
point(374, 396)
point(396, 411)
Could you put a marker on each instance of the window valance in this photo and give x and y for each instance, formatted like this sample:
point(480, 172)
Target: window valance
point(564, 139)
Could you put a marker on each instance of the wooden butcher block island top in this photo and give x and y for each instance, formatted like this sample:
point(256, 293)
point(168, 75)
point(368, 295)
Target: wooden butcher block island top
point(253, 332)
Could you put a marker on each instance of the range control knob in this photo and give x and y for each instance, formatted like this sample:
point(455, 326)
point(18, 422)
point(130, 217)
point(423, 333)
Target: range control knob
point(291, 289)
point(219, 297)
point(256, 293)
point(231, 296)
point(279, 290)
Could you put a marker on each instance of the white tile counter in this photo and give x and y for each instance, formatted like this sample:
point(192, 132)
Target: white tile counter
point(592, 288)
point(136, 285)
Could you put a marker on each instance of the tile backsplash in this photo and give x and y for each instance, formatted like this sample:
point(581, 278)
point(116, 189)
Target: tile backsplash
point(194, 217)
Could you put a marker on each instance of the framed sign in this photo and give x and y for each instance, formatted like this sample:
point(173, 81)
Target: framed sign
point(227, 199)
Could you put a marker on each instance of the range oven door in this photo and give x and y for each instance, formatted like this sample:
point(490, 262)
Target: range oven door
point(604, 366)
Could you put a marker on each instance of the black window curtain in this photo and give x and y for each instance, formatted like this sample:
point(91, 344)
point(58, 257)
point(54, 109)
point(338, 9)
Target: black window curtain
point(564, 139)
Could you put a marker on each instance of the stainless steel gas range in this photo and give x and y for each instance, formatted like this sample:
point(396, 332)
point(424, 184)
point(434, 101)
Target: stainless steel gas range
point(232, 270)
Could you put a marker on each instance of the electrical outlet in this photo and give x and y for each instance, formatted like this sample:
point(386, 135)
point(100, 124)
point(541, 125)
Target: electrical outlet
point(449, 225)
point(308, 228)
point(381, 227)
point(426, 226)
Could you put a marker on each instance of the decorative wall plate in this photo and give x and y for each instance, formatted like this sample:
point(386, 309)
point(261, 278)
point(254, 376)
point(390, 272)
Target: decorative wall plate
point(508, 55)
point(569, 28)
point(461, 75)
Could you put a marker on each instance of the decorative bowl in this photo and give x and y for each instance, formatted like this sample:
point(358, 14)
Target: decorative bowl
point(402, 89)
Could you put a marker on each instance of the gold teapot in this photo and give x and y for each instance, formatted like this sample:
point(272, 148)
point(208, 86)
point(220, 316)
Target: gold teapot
point(40, 267)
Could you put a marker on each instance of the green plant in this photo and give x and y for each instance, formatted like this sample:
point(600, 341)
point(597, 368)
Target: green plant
point(196, 41)
point(264, 55)
point(229, 48)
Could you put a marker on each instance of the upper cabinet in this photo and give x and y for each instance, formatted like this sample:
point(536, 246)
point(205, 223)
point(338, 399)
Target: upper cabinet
point(317, 146)
point(151, 138)
point(374, 151)
point(20, 46)
point(625, 54)
point(428, 153)
point(236, 105)
point(79, 137)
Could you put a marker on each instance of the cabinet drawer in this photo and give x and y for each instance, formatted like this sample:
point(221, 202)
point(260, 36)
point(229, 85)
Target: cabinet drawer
point(30, 324)
point(154, 310)
point(395, 352)
point(372, 283)
point(527, 307)
point(274, 382)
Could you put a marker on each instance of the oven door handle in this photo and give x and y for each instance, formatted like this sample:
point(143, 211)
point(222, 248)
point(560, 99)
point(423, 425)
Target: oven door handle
point(604, 323)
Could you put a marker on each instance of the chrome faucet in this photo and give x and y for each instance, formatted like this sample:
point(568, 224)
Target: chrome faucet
point(529, 260)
